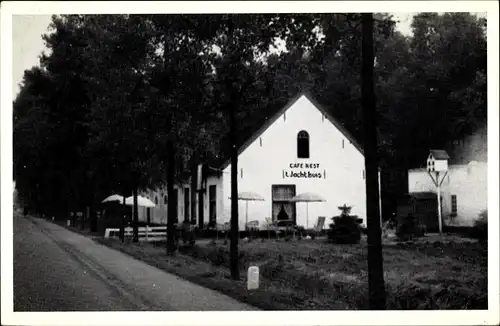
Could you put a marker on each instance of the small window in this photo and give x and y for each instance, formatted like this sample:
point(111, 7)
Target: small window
point(165, 200)
point(156, 200)
point(303, 144)
point(454, 209)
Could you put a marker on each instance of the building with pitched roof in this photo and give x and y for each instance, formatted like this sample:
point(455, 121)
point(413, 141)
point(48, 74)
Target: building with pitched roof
point(301, 148)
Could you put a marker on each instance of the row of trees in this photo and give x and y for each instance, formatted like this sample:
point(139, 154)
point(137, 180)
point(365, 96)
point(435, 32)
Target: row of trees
point(124, 102)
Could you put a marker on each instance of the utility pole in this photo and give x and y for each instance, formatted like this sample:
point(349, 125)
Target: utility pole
point(235, 271)
point(376, 284)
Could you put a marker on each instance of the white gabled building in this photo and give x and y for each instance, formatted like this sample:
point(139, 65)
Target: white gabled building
point(301, 149)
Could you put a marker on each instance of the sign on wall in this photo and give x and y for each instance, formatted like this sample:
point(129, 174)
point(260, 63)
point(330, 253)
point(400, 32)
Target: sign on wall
point(304, 171)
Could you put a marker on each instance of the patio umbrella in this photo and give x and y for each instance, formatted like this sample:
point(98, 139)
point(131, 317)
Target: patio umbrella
point(249, 196)
point(141, 201)
point(308, 197)
point(113, 198)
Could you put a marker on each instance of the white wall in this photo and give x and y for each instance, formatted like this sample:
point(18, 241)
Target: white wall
point(263, 166)
point(467, 182)
point(220, 212)
point(159, 213)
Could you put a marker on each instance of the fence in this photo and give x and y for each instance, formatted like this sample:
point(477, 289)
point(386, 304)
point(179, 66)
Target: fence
point(146, 233)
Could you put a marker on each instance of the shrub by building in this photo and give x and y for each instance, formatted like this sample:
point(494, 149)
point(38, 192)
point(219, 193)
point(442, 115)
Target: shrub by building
point(480, 229)
point(345, 228)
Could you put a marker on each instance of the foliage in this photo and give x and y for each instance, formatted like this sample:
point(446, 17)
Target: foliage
point(53, 106)
point(187, 233)
point(345, 229)
point(408, 228)
point(480, 228)
point(113, 90)
point(314, 275)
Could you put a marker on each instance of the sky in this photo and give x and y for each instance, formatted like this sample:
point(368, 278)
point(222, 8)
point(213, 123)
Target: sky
point(27, 43)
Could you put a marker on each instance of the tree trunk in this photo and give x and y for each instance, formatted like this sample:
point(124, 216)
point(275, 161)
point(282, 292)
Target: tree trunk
point(85, 216)
point(100, 220)
point(136, 215)
point(93, 219)
point(171, 213)
point(194, 183)
point(376, 285)
point(70, 213)
point(122, 218)
point(92, 207)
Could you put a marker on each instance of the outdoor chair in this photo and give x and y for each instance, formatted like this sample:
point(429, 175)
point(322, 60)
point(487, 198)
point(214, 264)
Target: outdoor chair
point(320, 223)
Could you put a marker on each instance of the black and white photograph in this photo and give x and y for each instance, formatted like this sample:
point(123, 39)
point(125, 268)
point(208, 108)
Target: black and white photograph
point(306, 157)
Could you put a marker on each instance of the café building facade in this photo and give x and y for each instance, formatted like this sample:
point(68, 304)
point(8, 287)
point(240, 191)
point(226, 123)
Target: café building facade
point(301, 149)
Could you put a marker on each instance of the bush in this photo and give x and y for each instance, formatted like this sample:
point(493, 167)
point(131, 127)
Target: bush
point(345, 229)
point(480, 228)
point(420, 230)
point(187, 233)
point(312, 233)
point(408, 228)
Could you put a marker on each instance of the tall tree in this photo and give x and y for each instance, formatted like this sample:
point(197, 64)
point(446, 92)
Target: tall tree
point(64, 103)
point(239, 38)
point(93, 96)
point(122, 46)
point(180, 77)
point(448, 52)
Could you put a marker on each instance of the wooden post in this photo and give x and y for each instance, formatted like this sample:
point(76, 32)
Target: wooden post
point(232, 106)
point(234, 256)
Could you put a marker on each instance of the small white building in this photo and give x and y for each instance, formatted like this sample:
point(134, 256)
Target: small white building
point(464, 191)
point(301, 149)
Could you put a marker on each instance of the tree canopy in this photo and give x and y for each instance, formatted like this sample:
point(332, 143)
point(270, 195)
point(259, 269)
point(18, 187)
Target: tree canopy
point(112, 90)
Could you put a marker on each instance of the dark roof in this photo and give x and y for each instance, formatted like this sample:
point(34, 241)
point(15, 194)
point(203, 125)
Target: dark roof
point(259, 128)
point(439, 154)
